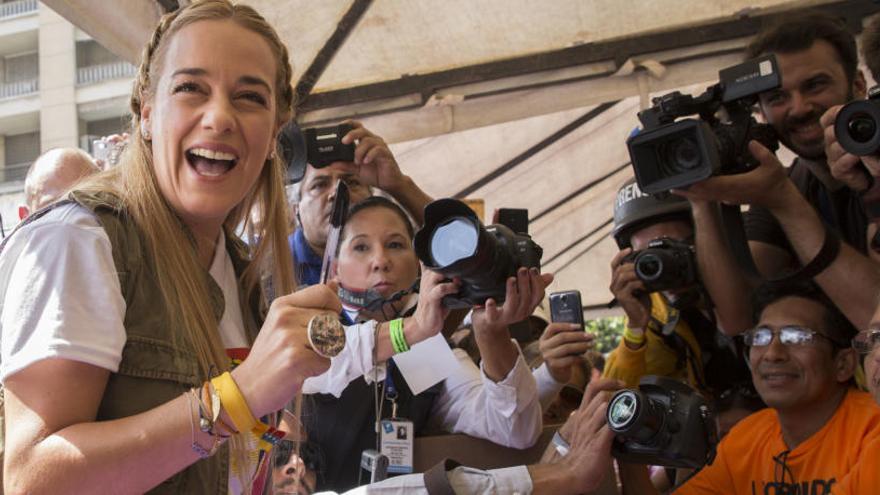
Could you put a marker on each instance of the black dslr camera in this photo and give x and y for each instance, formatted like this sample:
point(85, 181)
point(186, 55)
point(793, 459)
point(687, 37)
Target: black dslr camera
point(857, 127)
point(455, 243)
point(666, 264)
point(663, 423)
point(324, 145)
point(669, 154)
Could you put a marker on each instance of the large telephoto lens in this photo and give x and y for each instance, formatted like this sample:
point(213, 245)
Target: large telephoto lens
point(455, 243)
point(857, 129)
point(454, 240)
point(633, 415)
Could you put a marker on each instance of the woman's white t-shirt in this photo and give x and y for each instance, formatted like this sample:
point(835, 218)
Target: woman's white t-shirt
point(60, 295)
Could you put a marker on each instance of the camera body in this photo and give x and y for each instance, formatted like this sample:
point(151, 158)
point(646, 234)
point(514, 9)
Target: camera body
point(455, 243)
point(857, 127)
point(669, 154)
point(666, 264)
point(324, 145)
point(664, 423)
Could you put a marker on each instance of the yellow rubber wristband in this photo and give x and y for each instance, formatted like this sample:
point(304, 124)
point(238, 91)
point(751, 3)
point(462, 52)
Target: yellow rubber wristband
point(633, 338)
point(234, 403)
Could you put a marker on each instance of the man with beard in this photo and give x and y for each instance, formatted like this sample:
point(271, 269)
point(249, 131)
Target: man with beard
point(801, 219)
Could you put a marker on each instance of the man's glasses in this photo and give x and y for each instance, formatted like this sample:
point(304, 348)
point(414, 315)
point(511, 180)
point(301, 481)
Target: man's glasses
point(790, 335)
point(867, 340)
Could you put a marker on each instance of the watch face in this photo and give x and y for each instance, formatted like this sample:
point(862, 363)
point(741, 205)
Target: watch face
point(326, 334)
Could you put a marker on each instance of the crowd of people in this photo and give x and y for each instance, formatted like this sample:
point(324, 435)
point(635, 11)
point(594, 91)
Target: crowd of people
point(145, 347)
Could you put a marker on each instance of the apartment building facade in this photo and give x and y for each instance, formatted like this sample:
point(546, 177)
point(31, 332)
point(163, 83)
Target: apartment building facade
point(58, 88)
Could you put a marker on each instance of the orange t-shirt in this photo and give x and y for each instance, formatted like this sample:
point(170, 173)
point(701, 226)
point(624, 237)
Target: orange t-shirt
point(864, 478)
point(745, 462)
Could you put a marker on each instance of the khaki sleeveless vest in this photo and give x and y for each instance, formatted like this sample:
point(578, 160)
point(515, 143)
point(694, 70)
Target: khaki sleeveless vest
point(153, 371)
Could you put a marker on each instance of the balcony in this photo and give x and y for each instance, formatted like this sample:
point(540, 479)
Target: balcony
point(20, 7)
point(19, 88)
point(105, 72)
point(15, 172)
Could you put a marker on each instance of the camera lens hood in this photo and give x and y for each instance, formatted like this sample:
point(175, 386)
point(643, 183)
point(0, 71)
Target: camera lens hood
point(857, 127)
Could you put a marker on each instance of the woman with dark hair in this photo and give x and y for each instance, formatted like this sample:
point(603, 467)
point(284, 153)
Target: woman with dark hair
point(377, 270)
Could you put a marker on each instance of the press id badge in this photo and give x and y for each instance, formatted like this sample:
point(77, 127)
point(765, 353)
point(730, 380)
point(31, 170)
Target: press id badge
point(397, 443)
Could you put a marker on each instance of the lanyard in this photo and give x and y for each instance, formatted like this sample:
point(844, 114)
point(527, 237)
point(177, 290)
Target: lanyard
point(390, 388)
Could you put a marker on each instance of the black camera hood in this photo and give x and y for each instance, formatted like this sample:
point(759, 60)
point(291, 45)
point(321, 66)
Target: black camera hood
point(437, 213)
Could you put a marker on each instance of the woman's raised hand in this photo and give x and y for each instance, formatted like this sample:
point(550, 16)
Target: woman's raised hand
point(281, 358)
point(430, 313)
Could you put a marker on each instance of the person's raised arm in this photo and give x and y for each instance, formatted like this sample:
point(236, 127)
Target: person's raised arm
point(55, 445)
point(720, 273)
point(378, 168)
point(852, 280)
point(523, 294)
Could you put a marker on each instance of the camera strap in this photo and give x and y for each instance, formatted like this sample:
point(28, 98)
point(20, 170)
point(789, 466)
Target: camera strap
point(734, 232)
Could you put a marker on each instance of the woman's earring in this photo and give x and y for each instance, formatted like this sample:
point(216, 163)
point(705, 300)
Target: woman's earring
point(145, 132)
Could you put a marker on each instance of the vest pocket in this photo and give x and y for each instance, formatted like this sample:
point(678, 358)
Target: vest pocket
point(145, 357)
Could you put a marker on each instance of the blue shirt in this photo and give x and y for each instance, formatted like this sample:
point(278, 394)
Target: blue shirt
point(306, 264)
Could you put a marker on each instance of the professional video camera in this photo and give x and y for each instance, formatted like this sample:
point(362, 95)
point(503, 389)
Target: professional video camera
point(455, 243)
point(663, 423)
point(666, 264)
point(857, 127)
point(669, 154)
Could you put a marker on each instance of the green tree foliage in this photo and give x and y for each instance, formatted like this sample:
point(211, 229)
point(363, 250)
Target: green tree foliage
point(608, 332)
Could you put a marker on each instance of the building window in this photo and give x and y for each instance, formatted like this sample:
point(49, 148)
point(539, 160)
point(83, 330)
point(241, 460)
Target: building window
point(22, 148)
point(21, 67)
point(90, 53)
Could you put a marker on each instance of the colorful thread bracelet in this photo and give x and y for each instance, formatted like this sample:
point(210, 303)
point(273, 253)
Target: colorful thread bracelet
point(395, 332)
point(203, 452)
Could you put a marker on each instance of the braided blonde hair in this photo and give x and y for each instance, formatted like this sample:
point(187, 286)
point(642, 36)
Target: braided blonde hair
point(180, 276)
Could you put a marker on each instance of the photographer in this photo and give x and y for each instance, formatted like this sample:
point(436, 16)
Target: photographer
point(817, 423)
point(374, 166)
point(497, 401)
point(667, 332)
point(859, 173)
point(794, 213)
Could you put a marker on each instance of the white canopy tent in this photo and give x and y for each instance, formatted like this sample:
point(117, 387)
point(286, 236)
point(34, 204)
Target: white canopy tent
point(522, 103)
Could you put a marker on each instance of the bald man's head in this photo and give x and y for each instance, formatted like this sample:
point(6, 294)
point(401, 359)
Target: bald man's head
point(53, 173)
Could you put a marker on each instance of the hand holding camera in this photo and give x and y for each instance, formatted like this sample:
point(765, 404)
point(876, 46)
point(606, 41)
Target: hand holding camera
point(523, 293)
point(630, 291)
point(853, 170)
point(376, 163)
point(767, 185)
point(455, 243)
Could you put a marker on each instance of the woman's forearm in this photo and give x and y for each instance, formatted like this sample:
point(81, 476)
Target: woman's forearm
point(129, 455)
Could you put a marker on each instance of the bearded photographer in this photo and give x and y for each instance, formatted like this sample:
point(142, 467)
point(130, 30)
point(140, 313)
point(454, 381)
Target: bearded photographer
point(668, 331)
point(800, 218)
